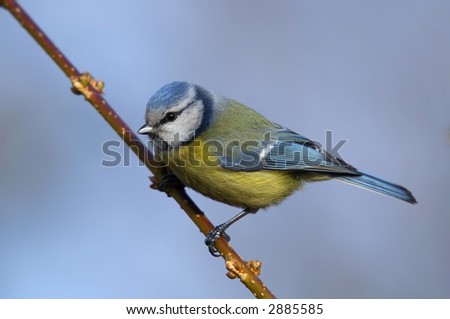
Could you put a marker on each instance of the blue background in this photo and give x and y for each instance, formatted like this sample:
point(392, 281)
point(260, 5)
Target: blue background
point(374, 72)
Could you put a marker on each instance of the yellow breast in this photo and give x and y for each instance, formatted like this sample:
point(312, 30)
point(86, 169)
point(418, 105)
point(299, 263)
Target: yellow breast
point(256, 189)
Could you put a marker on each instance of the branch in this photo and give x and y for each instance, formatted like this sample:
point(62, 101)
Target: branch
point(92, 91)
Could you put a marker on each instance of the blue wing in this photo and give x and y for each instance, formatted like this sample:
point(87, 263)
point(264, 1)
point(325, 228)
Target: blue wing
point(285, 150)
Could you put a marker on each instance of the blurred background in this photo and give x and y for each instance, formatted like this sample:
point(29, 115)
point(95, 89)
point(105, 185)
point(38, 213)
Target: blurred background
point(375, 72)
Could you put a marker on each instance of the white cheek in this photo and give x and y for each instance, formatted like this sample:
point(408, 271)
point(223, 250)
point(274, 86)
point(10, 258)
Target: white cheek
point(184, 127)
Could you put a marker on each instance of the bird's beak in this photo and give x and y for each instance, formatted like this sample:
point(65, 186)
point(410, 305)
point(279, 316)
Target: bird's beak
point(145, 129)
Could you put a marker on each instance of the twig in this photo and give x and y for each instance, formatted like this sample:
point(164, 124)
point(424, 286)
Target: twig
point(84, 84)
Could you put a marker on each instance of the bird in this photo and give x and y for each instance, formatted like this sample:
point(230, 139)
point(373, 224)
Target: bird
point(231, 153)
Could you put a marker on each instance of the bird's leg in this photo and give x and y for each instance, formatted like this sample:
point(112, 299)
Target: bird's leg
point(219, 230)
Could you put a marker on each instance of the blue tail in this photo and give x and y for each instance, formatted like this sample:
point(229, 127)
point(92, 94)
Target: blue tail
point(379, 186)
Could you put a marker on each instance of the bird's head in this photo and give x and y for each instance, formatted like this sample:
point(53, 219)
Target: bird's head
point(176, 113)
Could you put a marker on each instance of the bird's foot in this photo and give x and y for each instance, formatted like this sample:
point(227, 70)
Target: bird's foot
point(214, 235)
point(166, 181)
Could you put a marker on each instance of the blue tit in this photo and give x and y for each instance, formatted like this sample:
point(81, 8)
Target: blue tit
point(231, 153)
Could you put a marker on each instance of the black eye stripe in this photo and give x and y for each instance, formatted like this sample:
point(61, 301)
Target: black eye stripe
point(172, 116)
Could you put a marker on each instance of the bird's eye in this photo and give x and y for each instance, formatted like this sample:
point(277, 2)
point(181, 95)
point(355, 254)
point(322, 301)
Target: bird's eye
point(170, 117)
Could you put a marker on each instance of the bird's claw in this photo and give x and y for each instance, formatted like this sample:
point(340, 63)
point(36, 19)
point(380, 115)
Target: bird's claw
point(165, 182)
point(213, 236)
